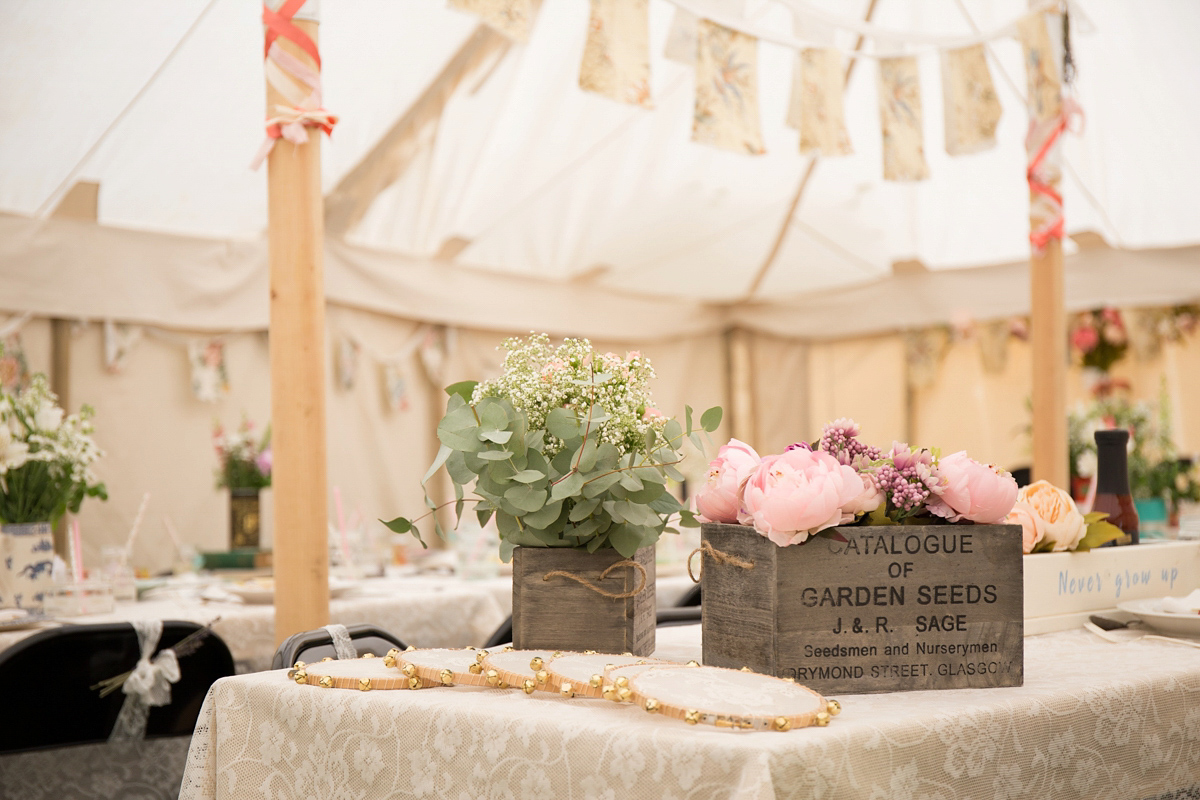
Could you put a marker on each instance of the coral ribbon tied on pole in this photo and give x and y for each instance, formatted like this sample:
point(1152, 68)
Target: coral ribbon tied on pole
point(1043, 173)
point(295, 80)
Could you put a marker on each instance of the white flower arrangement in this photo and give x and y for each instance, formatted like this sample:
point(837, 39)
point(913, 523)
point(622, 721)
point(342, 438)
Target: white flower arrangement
point(45, 456)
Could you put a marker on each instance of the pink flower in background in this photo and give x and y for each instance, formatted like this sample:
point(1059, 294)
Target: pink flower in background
point(653, 413)
point(1085, 338)
point(799, 446)
point(719, 499)
point(264, 462)
point(791, 496)
point(972, 491)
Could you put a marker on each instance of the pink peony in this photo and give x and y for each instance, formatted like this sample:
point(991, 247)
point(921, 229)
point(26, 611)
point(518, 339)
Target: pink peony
point(793, 495)
point(719, 499)
point(972, 491)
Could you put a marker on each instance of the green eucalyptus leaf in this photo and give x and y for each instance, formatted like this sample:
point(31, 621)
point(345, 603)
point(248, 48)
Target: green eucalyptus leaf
point(507, 525)
point(625, 539)
point(631, 482)
point(648, 441)
point(710, 420)
point(529, 476)
point(584, 528)
point(483, 513)
point(399, 525)
point(1098, 533)
point(650, 493)
point(548, 538)
point(687, 519)
point(596, 543)
point(506, 550)
point(583, 509)
point(673, 432)
point(567, 487)
point(495, 455)
point(563, 462)
point(460, 418)
point(499, 437)
point(456, 465)
point(638, 514)
point(535, 440)
point(598, 486)
point(687, 418)
point(526, 498)
point(464, 440)
point(545, 517)
point(696, 441)
point(649, 474)
point(596, 415)
point(535, 460)
point(500, 473)
point(586, 461)
point(607, 456)
point(458, 508)
point(474, 463)
point(463, 389)
point(665, 503)
point(442, 454)
point(610, 507)
point(673, 473)
point(492, 415)
point(561, 422)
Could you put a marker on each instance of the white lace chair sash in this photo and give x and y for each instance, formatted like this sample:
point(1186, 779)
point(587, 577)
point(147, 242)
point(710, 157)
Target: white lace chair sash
point(342, 646)
point(149, 684)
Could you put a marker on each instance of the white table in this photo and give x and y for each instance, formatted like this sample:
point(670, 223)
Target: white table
point(1094, 720)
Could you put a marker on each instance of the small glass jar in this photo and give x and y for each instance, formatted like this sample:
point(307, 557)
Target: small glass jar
point(118, 572)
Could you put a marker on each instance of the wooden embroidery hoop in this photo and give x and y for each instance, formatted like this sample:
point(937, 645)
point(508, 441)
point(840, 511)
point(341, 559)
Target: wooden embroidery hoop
point(595, 685)
point(448, 673)
point(527, 678)
point(708, 712)
point(318, 674)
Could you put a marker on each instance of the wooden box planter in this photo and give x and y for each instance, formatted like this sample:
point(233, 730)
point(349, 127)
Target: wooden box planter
point(552, 611)
point(895, 608)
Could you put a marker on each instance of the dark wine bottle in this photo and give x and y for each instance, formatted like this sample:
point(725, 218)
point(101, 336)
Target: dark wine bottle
point(1112, 484)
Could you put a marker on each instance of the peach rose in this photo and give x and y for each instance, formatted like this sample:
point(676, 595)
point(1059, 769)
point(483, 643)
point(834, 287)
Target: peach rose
point(1055, 515)
point(791, 496)
point(1023, 515)
point(972, 491)
point(718, 500)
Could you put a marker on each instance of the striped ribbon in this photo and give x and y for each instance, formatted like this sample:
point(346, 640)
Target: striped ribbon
point(297, 82)
point(1047, 204)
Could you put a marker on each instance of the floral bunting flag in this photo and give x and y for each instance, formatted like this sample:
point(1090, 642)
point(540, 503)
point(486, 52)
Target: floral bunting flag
point(395, 388)
point(681, 40)
point(993, 345)
point(972, 109)
point(818, 83)
point(900, 113)
point(726, 112)
point(345, 362)
point(923, 353)
point(210, 379)
point(14, 368)
point(510, 18)
point(616, 58)
point(119, 341)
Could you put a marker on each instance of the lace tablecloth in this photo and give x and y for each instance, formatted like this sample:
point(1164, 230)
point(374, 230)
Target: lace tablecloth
point(1094, 720)
point(422, 611)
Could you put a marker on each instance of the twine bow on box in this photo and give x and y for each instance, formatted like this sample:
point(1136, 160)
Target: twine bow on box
point(719, 556)
point(629, 562)
point(296, 81)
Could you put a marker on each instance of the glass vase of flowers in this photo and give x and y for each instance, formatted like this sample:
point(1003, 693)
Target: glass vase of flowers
point(244, 460)
point(566, 454)
point(46, 459)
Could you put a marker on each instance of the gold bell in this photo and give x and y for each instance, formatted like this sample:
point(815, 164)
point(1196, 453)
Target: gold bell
point(502, 685)
point(745, 669)
point(480, 656)
point(364, 684)
point(609, 667)
point(624, 693)
point(621, 682)
point(566, 690)
point(781, 724)
point(691, 716)
point(589, 652)
point(609, 692)
point(822, 719)
point(389, 661)
point(542, 676)
point(393, 652)
point(409, 649)
point(300, 676)
point(627, 653)
point(596, 681)
point(299, 665)
point(528, 686)
point(508, 648)
point(833, 707)
point(409, 670)
point(536, 663)
point(790, 680)
point(326, 682)
point(447, 677)
point(556, 654)
point(493, 677)
point(651, 705)
point(414, 683)
point(475, 669)
point(368, 655)
point(693, 663)
point(327, 658)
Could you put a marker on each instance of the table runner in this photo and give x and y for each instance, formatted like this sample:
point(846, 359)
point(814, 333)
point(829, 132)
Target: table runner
point(1094, 720)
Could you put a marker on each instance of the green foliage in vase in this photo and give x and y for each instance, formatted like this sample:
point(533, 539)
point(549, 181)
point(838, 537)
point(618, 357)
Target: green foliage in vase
point(567, 471)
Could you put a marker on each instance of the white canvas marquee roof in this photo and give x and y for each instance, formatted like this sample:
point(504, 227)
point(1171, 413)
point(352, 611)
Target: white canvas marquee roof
point(529, 203)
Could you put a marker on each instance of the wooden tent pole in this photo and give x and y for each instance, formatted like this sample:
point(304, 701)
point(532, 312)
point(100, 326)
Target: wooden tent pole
point(295, 237)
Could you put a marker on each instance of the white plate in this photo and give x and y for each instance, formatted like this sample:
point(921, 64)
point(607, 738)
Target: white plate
point(264, 593)
point(27, 621)
point(1150, 612)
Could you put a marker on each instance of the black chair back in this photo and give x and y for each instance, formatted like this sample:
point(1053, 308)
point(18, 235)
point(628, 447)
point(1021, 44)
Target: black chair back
point(503, 635)
point(310, 646)
point(669, 617)
point(48, 699)
point(690, 598)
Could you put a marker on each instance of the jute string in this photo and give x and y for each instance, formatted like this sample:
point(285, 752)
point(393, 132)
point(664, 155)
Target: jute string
point(629, 562)
point(718, 556)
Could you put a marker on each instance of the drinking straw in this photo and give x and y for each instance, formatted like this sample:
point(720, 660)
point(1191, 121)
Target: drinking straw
point(133, 532)
point(341, 521)
point(173, 534)
point(76, 552)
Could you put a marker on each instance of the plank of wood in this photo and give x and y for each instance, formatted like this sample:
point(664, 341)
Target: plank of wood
point(890, 609)
point(295, 237)
point(561, 614)
point(1048, 340)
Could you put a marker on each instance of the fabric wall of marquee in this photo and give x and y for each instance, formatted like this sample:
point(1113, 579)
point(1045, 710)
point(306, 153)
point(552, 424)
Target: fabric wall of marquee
point(614, 226)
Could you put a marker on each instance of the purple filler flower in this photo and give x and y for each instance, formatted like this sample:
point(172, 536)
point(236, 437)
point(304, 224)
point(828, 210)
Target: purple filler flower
point(799, 446)
point(264, 461)
point(840, 439)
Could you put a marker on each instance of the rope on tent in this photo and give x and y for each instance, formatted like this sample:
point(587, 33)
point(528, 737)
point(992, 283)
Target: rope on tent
point(52, 199)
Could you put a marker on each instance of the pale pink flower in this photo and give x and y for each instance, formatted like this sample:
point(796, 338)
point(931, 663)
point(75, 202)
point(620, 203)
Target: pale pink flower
point(791, 496)
point(968, 490)
point(718, 500)
point(1085, 338)
point(1055, 516)
point(1022, 515)
point(652, 413)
